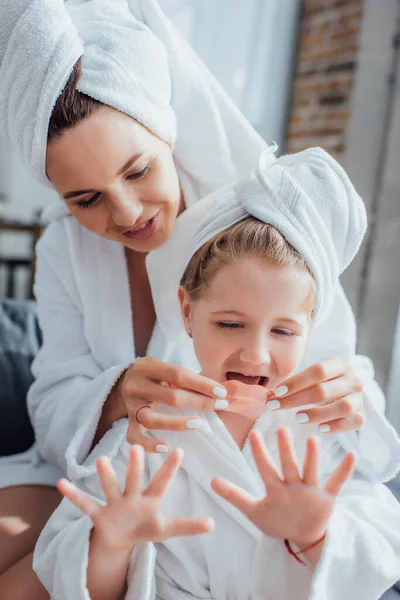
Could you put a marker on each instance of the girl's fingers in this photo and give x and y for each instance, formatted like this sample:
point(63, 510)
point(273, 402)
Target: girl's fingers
point(108, 479)
point(232, 493)
point(350, 423)
point(290, 470)
point(341, 474)
point(179, 377)
point(151, 419)
point(162, 479)
point(134, 472)
point(86, 504)
point(263, 460)
point(311, 459)
point(135, 435)
point(337, 409)
point(182, 527)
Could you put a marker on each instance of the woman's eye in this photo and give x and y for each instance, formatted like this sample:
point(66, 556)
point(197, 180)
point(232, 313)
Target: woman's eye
point(225, 325)
point(90, 202)
point(284, 332)
point(139, 174)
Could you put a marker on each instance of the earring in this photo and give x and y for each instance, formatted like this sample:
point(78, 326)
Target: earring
point(190, 333)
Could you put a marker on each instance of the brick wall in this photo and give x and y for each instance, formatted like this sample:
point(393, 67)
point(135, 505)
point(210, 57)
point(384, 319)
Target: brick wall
point(324, 75)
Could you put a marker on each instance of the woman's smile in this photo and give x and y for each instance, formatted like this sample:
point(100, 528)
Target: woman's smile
point(143, 230)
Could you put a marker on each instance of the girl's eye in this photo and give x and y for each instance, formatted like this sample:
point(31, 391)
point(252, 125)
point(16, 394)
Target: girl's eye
point(140, 174)
point(284, 332)
point(225, 325)
point(90, 202)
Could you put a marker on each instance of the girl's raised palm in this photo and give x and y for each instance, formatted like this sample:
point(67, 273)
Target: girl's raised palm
point(295, 506)
point(133, 516)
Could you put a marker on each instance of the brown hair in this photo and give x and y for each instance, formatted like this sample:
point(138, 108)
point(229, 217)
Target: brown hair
point(249, 237)
point(71, 107)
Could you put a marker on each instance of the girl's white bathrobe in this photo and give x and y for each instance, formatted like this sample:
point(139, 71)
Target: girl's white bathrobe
point(361, 554)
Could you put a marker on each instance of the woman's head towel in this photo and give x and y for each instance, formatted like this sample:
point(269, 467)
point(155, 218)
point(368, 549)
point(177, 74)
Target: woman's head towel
point(307, 196)
point(132, 56)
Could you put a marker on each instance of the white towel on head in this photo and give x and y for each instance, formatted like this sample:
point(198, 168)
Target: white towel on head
point(131, 53)
point(307, 196)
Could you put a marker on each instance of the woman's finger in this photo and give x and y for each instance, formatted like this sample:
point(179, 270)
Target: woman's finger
point(310, 466)
point(289, 466)
point(323, 392)
point(263, 460)
point(190, 526)
point(179, 377)
point(151, 392)
point(86, 504)
point(108, 479)
point(164, 476)
point(136, 435)
point(350, 423)
point(134, 471)
point(232, 493)
point(337, 409)
point(323, 371)
point(151, 419)
point(341, 474)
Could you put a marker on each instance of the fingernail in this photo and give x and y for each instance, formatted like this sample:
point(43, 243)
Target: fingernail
point(273, 404)
point(193, 424)
point(281, 391)
point(162, 448)
point(302, 418)
point(324, 428)
point(221, 404)
point(220, 392)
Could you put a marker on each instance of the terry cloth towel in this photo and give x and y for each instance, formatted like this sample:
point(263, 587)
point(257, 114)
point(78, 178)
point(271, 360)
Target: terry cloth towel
point(307, 196)
point(131, 58)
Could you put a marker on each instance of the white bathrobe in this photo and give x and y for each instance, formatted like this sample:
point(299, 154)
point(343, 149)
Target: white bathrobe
point(360, 558)
point(85, 314)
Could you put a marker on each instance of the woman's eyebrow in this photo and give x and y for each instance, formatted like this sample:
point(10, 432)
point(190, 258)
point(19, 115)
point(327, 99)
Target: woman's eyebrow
point(126, 166)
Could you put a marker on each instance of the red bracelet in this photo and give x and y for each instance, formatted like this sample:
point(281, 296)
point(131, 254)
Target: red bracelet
point(295, 554)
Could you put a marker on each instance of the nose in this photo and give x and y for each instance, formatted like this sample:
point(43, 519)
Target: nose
point(125, 209)
point(256, 351)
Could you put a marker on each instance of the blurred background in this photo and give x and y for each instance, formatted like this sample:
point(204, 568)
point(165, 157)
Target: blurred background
point(311, 72)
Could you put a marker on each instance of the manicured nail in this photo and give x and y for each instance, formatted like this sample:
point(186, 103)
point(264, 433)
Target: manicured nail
point(221, 404)
point(324, 428)
point(281, 391)
point(162, 448)
point(273, 404)
point(220, 392)
point(193, 424)
point(302, 418)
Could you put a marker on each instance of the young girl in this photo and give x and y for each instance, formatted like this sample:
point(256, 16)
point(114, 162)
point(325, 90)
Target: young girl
point(254, 280)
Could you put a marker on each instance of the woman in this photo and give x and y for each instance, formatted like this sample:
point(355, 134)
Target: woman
point(119, 169)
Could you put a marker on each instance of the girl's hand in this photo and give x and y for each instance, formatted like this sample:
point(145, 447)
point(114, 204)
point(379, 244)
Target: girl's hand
point(295, 507)
point(149, 381)
point(133, 516)
point(334, 386)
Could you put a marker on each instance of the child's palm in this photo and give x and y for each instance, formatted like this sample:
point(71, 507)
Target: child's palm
point(134, 516)
point(295, 507)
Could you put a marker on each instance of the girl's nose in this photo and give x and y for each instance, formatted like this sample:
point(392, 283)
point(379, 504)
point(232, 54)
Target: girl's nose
point(256, 352)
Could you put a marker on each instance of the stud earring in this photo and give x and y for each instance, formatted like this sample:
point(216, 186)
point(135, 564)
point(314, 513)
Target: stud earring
point(190, 333)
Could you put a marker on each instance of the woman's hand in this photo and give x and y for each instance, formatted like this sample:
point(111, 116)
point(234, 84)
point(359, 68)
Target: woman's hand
point(295, 506)
point(133, 516)
point(149, 382)
point(334, 386)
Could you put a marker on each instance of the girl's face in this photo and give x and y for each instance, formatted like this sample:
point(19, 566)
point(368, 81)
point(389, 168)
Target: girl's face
point(117, 179)
point(251, 322)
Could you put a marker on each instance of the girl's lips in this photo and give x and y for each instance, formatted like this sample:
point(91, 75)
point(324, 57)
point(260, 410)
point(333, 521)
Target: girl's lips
point(146, 231)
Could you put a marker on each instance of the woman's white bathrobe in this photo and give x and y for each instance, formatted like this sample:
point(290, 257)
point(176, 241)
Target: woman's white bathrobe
point(85, 314)
point(360, 559)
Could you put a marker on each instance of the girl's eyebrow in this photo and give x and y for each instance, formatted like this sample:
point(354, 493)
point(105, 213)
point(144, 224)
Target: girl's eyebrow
point(126, 166)
point(228, 312)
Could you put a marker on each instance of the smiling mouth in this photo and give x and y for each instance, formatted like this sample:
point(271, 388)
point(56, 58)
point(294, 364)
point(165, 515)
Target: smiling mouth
point(144, 230)
point(247, 379)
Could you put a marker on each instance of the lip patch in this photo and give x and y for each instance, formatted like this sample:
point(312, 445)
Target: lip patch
point(246, 400)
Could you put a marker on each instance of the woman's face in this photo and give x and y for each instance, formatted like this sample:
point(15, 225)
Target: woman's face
point(117, 179)
point(252, 322)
